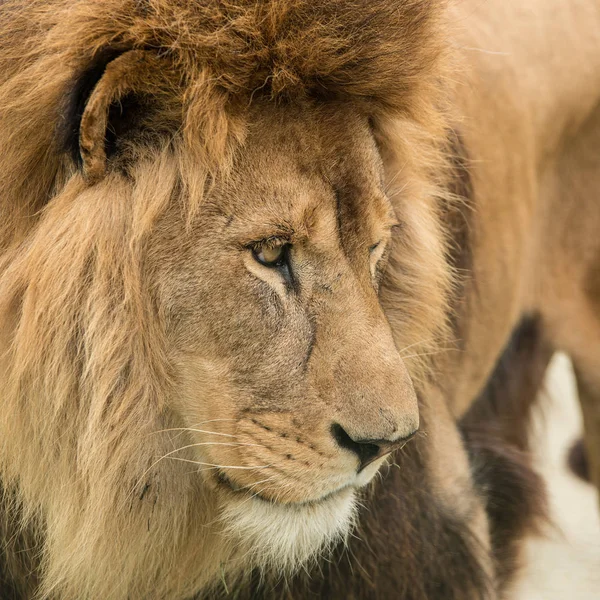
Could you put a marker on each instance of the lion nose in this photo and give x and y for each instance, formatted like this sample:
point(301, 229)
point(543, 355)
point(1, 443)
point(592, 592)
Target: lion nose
point(367, 450)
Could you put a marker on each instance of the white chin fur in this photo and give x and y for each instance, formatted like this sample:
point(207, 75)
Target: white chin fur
point(284, 537)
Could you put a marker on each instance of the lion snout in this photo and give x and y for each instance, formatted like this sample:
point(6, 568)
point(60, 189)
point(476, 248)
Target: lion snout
point(291, 461)
point(369, 450)
point(376, 407)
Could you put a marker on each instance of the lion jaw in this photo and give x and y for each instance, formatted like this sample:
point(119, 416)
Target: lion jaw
point(284, 537)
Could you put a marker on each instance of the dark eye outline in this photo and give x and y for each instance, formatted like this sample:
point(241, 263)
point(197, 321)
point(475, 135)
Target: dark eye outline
point(283, 264)
point(282, 260)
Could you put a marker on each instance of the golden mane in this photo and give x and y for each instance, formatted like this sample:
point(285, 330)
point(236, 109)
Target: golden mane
point(382, 55)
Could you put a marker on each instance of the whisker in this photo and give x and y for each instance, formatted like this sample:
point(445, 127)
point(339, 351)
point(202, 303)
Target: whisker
point(395, 192)
point(196, 430)
point(182, 430)
point(485, 51)
point(392, 179)
point(168, 454)
point(425, 341)
point(249, 487)
point(425, 354)
point(198, 424)
point(210, 421)
point(213, 466)
point(284, 487)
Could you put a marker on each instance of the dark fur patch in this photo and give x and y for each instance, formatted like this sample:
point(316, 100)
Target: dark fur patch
point(122, 119)
point(506, 402)
point(496, 435)
point(578, 460)
point(8, 591)
point(19, 569)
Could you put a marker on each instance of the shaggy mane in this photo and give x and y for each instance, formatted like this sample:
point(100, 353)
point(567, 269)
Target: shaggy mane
point(382, 54)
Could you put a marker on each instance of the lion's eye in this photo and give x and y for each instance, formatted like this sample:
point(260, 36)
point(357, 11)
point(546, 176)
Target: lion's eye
point(271, 256)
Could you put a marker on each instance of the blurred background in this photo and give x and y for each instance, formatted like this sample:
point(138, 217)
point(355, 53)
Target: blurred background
point(565, 563)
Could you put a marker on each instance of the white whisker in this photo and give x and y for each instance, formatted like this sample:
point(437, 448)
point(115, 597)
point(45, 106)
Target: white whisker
point(424, 354)
point(195, 430)
point(485, 51)
point(184, 448)
point(426, 341)
point(213, 466)
point(392, 180)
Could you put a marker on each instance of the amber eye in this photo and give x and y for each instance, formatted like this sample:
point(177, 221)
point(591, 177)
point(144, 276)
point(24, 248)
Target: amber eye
point(269, 255)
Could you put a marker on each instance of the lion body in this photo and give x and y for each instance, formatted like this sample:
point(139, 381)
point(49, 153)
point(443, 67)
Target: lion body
point(124, 345)
point(527, 133)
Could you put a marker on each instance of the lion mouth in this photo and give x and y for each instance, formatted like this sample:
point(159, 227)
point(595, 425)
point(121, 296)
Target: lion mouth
point(225, 482)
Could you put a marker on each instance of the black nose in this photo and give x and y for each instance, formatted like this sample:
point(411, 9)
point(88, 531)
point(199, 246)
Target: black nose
point(367, 450)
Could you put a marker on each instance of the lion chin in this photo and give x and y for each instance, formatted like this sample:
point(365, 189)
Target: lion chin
point(282, 537)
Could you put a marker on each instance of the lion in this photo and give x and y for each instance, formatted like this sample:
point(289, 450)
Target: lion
point(252, 250)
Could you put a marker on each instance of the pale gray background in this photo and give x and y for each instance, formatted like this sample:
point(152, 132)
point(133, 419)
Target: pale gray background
point(565, 565)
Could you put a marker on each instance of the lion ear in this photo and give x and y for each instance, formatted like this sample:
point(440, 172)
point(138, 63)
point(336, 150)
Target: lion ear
point(125, 78)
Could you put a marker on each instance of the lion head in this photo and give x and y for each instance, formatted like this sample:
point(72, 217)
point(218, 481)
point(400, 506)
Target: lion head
point(220, 239)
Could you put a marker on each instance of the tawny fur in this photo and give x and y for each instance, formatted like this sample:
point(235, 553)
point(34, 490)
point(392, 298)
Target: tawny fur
point(121, 342)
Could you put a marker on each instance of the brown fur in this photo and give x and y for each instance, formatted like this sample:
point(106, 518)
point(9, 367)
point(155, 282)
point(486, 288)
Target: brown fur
point(149, 148)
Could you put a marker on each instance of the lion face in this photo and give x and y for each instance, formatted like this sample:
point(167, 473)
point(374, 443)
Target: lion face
point(288, 382)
